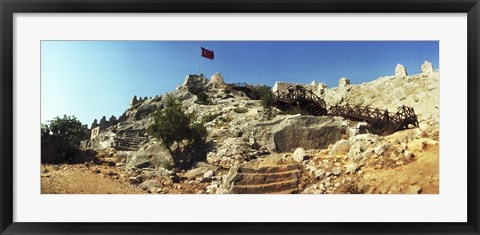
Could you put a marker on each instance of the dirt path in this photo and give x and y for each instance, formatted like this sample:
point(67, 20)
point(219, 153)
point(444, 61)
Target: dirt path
point(78, 179)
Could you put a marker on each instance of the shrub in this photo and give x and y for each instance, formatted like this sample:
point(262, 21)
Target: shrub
point(223, 121)
point(210, 117)
point(202, 98)
point(172, 125)
point(264, 93)
point(240, 110)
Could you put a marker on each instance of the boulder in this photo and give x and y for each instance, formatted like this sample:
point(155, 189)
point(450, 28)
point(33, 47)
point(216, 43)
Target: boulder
point(150, 185)
point(361, 143)
point(151, 155)
point(299, 155)
point(208, 175)
point(200, 170)
point(414, 189)
point(340, 148)
point(350, 167)
point(337, 169)
point(307, 132)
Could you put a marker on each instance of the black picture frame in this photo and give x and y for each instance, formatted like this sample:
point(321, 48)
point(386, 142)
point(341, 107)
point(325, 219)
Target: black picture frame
point(9, 7)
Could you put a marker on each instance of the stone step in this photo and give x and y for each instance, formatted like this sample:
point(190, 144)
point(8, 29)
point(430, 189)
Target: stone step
point(131, 137)
point(130, 140)
point(127, 141)
point(288, 191)
point(269, 169)
point(281, 186)
point(122, 148)
point(265, 178)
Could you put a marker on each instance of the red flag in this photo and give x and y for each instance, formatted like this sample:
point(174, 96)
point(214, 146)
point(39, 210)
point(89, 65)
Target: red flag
point(207, 53)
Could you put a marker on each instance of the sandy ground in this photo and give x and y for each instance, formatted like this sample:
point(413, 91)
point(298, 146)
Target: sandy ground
point(419, 176)
point(79, 179)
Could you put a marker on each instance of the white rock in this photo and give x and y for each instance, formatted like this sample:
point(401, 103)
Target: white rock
point(379, 150)
point(320, 174)
point(212, 189)
point(408, 154)
point(337, 170)
point(208, 174)
point(351, 167)
point(299, 155)
point(414, 189)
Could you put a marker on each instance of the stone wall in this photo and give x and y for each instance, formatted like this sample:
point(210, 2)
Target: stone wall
point(283, 86)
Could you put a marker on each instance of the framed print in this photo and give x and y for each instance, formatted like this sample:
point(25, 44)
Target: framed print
point(239, 117)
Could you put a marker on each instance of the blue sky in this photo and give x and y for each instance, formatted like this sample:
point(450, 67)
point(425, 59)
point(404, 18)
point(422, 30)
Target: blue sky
point(91, 79)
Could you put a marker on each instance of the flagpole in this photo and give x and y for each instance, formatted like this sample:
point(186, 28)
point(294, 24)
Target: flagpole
point(198, 71)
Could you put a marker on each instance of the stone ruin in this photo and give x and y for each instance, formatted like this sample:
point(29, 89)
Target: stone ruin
point(343, 82)
point(320, 88)
point(283, 86)
point(134, 101)
point(95, 132)
point(195, 83)
point(427, 67)
point(216, 81)
point(400, 71)
point(96, 127)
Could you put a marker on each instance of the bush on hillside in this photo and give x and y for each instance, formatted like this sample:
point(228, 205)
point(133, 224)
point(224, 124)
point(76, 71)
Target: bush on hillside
point(264, 93)
point(173, 126)
point(202, 98)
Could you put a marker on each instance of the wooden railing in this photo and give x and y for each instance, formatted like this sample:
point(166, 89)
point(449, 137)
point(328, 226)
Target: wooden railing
point(297, 97)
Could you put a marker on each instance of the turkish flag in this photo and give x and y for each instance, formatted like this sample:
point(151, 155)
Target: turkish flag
point(207, 53)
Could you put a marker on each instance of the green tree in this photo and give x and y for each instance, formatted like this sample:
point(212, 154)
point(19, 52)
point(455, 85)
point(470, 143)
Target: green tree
point(61, 137)
point(44, 131)
point(172, 125)
point(69, 128)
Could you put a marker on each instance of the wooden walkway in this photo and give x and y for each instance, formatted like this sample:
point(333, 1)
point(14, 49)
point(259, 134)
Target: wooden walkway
point(382, 122)
point(300, 100)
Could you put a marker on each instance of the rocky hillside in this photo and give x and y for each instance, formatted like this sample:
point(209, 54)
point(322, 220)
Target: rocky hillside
point(420, 91)
point(253, 149)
